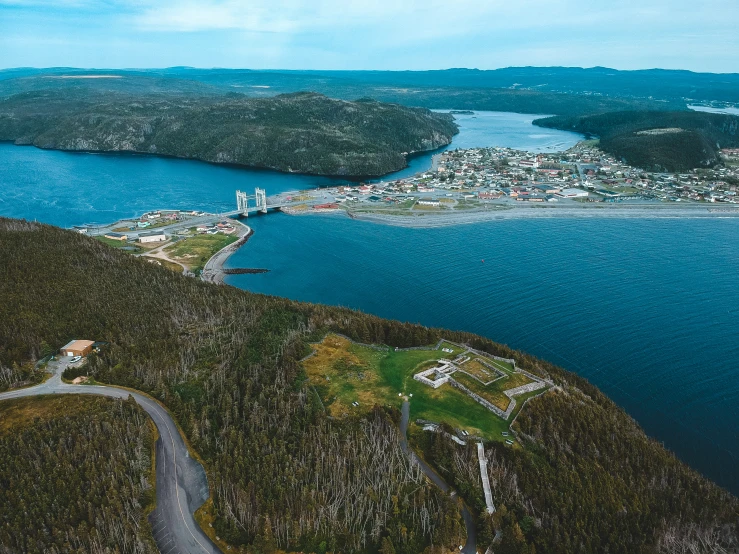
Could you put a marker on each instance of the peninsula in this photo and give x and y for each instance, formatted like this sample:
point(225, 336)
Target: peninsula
point(479, 184)
point(319, 453)
point(298, 132)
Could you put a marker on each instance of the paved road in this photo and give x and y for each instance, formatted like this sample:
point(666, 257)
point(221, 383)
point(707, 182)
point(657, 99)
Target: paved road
point(190, 221)
point(182, 486)
point(213, 269)
point(470, 546)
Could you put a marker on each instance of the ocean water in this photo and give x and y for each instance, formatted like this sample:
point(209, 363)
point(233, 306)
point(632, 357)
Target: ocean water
point(65, 189)
point(645, 309)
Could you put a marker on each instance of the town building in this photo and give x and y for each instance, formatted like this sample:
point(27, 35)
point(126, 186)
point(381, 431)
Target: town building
point(153, 236)
point(77, 348)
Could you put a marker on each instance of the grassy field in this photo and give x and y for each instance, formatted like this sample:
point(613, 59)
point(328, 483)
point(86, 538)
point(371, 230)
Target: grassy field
point(134, 249)
point(195, 251)
point(342, 373)
point(478, 370)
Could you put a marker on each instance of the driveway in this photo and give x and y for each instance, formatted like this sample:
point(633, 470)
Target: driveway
point(182, 486)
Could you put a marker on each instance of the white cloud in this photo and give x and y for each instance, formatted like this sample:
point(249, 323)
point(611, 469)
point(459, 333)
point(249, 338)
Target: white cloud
point(389, 33)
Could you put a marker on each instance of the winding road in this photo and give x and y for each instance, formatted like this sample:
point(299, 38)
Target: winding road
point(470, 546)
point(182, 486)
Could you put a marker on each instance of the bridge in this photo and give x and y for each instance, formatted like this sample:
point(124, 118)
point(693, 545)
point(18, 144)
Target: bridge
point(261, 203)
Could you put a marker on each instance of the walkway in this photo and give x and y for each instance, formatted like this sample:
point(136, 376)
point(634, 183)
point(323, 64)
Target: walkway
point(182, 486)
point(470, 546)
point(485, 480)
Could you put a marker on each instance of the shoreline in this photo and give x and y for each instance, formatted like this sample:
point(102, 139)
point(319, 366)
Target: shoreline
point(431, 220)
point(253, 167)
point(213, 271)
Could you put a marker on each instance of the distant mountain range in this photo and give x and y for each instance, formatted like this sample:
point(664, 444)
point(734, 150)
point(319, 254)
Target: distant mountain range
point(657, 84)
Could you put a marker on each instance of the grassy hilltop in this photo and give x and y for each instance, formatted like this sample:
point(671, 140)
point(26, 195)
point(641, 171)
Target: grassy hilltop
point(285, 475)
point(298, 132)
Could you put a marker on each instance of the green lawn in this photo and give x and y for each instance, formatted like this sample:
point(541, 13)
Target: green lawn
point(342, 372)
point(195, 251)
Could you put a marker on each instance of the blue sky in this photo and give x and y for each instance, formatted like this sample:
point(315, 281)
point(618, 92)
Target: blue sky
point(371, 34)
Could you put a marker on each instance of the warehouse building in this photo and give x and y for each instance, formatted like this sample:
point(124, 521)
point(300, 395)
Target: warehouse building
point(77, 348)
point(153, 236)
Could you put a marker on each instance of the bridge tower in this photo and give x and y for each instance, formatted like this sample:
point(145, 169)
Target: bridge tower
point(261, 198)
point(242, 203)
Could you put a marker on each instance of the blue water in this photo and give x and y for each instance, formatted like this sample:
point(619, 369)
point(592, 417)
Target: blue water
point(645, 309)
point(68, 189)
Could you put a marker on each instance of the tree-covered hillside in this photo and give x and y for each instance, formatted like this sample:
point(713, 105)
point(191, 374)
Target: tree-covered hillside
point(284, 475)
point(560, 91)
point(75, 476)
point(660, 141)
point(301, 132)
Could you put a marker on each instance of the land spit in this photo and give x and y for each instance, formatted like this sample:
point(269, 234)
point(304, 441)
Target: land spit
point(429, 220)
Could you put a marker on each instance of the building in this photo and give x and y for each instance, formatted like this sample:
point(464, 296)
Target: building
point(116, 236)
point(428, 202)
point(573, 193)
point(153, 236)
point(77, 348)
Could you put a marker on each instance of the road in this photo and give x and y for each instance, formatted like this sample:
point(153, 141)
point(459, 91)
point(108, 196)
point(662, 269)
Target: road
point(213, 269)
point(189, 221)
point(182, 485)
point(470, 546)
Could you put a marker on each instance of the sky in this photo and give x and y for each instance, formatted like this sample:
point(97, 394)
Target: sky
point(371, 34)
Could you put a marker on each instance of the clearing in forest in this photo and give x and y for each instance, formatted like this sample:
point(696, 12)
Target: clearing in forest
point(195, 251)
point(352, 378)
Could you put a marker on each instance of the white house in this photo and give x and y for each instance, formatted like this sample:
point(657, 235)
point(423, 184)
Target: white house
point(153, 236)
point(572, 193)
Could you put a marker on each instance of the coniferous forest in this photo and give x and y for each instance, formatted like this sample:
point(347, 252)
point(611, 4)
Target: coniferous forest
point(284, 476)
point(75, 476)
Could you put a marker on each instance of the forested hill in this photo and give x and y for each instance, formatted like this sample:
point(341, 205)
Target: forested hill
point(283, 475)
point(660, 141)
point(453, 89)
point(75, 476)
point(299, 132)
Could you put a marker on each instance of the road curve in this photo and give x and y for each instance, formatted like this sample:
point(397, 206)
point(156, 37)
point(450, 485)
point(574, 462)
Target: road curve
point(470, 546)
point(182, 486)
point(213, 269)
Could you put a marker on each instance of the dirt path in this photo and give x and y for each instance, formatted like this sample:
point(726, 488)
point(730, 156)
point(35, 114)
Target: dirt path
point(470, 546)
